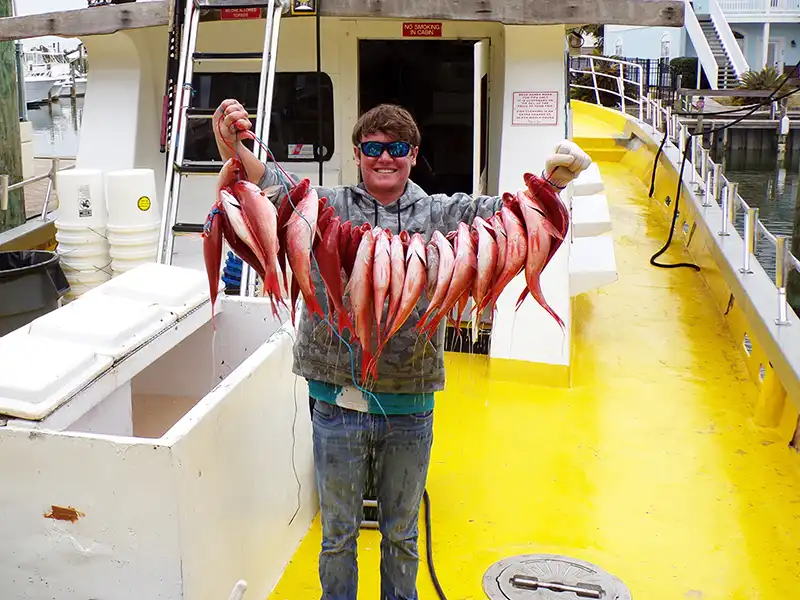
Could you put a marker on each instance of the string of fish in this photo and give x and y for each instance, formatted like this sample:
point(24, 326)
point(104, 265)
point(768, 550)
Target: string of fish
point(254, 137)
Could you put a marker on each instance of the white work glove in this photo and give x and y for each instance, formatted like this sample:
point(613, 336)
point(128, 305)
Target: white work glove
point(565, 164)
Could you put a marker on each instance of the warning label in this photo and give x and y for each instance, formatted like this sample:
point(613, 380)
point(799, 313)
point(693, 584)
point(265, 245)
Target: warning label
point(422, 30)
point(535, 108)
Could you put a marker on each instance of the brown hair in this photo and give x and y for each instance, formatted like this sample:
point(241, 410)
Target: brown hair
point(395, 121)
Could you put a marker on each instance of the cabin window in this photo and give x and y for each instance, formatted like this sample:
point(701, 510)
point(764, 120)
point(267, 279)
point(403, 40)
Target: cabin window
point(293, 126)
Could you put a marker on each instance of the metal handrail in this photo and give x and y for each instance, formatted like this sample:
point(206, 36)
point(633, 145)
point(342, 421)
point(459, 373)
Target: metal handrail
point(620, 79)
point(709, 180)
point(703, 167)
point(55, 161)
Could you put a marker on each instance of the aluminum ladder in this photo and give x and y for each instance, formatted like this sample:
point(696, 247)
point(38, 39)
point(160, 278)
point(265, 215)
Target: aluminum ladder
point(181, 110)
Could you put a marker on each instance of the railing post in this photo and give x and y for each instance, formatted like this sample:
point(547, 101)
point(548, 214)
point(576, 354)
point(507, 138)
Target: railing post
point(708, 193)
point(782, 264)
point(3, 192)
point(641, 91)
point(717, 167)
point(668, 122)
point(703, 163)
point(750, 221)
point(728, 207)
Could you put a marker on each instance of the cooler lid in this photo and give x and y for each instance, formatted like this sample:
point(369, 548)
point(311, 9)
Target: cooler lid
point(177, 289)
point(37, 374)
point(109, 325)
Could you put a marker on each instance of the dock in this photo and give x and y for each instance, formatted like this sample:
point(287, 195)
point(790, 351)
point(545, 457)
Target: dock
point(35, 193)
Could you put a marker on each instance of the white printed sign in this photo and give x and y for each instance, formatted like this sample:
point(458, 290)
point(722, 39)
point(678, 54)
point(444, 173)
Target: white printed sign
point(535, 108)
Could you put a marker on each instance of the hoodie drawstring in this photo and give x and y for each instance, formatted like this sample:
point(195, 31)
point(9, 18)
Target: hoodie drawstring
point(399, 226)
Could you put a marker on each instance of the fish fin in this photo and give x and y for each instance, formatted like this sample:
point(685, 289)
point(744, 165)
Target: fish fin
point(522, 297)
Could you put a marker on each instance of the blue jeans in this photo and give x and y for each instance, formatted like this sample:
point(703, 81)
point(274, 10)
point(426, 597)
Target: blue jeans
point(344, 441)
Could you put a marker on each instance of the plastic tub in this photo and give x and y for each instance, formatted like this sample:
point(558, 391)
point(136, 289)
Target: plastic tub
point(93, 277)
point(146, 253)
point(79, 238)
point(83, 252)
point(122, 239)
point(81, 198)
point(131, 197)
point(31, 284)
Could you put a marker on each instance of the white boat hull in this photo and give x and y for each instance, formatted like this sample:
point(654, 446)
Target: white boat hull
point(38, 89)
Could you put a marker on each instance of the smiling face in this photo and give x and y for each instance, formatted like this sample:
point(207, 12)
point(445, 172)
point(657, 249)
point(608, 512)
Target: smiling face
point(384, 177)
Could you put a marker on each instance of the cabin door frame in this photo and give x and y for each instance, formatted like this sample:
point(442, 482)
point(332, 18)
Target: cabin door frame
point(480, 132)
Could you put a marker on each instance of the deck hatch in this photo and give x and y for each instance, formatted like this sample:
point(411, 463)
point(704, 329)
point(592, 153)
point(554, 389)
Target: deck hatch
point(550, 577)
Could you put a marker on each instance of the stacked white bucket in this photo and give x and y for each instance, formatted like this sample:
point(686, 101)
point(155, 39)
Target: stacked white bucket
point(133, 218)
point(81, 230)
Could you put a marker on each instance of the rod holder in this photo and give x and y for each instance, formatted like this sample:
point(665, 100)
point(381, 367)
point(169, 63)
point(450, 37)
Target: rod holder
point(4, 192)
point(750, 220)
point(782, 265)
point(729, 207)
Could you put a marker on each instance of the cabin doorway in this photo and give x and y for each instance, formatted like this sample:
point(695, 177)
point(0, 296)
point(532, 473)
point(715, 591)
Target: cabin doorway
point(444, 84)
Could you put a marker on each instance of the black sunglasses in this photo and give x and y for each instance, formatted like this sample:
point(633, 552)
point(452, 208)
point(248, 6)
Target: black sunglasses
point(395, 149)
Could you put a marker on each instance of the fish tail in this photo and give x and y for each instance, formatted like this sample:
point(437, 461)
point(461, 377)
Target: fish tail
point(294, 293)
point(368, 365)
point(344, 321)
point(314, 307)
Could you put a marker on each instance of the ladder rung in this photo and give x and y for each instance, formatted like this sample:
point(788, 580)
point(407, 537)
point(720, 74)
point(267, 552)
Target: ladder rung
point(209, 167)
point(207, 113)
point(227, 56)
point(219, 4)
point(187, 228)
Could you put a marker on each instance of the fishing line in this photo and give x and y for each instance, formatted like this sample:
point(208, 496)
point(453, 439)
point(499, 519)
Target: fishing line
point(768, 100)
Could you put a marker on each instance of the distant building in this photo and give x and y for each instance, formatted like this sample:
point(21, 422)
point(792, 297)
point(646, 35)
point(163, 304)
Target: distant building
point(729, 36)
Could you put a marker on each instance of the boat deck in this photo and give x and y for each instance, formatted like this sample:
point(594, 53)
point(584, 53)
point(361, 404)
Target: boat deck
point(650, 466)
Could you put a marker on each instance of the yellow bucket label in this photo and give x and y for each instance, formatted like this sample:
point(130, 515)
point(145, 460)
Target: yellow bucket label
point(143, 203)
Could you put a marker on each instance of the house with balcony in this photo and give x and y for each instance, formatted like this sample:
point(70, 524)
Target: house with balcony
point(729, 37)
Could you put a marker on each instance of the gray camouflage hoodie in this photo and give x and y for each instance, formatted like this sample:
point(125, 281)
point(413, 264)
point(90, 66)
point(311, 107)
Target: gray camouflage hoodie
point(407, 364)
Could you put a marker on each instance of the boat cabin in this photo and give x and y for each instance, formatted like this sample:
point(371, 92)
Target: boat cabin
point(155, 453)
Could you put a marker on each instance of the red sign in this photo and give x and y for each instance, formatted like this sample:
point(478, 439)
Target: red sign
point(422, 30)
point(239, 13)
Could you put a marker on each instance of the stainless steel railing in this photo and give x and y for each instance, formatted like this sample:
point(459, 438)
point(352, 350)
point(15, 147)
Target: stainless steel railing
point(704, 173)
point(710, 182)
point(55, 164)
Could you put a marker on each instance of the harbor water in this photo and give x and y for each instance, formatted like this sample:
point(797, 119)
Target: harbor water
point(56, 127)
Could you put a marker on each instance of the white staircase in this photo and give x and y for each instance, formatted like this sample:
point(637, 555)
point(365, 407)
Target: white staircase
point(726, 74)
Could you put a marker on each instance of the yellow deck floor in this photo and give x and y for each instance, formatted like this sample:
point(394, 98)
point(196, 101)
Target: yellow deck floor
point(649, 466)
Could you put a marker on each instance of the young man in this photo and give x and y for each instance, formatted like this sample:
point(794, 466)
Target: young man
point(392, 426)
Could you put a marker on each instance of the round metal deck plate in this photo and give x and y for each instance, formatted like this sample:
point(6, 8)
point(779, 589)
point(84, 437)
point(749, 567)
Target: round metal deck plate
point(562, 571)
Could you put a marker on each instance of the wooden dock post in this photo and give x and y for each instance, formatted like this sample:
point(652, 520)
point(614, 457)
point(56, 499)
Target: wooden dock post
point(11, 148)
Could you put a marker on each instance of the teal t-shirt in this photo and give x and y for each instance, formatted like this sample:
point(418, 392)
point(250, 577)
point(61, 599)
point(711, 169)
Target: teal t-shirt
point(355, 399)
